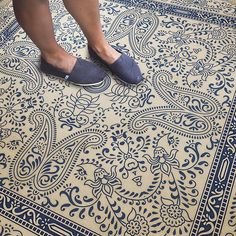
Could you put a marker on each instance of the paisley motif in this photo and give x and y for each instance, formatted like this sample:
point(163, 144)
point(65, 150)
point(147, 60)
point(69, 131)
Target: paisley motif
point(28, 73)
point(180, 122)
point(25, 51)
point(139, 27)
point(187, 115)
point(184, 98)
point(46, 163)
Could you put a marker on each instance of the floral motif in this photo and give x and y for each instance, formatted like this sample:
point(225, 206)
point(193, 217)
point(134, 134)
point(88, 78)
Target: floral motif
point(134, 96)
point(5, 84)
point(104, 182)
point(10, 138)
point(172, 214)
point(78, 109)
point(80, 173)
point(34, 194)
point(4, 133)
point(61, 156)
point(229, 49)
point(201, 68)
point(9, 230)
point(218, 34)
point(13, 108)
point(179, 38)
point(137, 225)
point(16, 185)
point(128, 153)
point(120, 110)
point(162, 160)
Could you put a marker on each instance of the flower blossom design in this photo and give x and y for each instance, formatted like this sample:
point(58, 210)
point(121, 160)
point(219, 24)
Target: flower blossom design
point(137, 225)
point(172, 214)
point(127, 152)
point(80, 173)
point(163, 161)
point(13, 108)
point(104, 182)
point(179, 38)
point(229, 49)
point(201, 68)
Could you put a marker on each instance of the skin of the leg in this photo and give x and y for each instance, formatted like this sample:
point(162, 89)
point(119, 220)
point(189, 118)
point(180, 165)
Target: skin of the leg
point(86, 13)
point(35, 18)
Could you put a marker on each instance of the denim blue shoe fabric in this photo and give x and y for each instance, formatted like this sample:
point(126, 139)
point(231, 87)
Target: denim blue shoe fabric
point(84, 73)
point(125, 68)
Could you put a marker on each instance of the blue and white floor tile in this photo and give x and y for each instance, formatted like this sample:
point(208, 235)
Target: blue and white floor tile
point(153, 159)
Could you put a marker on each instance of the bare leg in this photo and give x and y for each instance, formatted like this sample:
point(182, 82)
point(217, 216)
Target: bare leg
point(35, 18)
point(86, 13)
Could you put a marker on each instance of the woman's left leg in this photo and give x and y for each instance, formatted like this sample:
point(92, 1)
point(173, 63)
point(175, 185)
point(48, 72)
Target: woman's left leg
point(86, 14)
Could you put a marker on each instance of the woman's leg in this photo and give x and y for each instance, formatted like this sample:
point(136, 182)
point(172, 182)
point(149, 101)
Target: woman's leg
point(35, 18)
point(86, 13)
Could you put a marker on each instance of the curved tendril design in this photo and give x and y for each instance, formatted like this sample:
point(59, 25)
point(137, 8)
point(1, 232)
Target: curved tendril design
point(23, 69)
point(45, 163)
point(139, 28)
point(188, 112)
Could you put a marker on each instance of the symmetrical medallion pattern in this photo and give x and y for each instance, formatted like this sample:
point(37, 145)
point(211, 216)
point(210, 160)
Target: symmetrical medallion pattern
point(116, 159)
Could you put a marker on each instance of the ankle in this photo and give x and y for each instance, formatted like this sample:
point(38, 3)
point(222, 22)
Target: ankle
point(51, 58)
point(60, 59)
point(107, 53)
point(101, 48)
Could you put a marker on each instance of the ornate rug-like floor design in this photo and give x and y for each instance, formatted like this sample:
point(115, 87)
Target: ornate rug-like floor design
point(153, 159)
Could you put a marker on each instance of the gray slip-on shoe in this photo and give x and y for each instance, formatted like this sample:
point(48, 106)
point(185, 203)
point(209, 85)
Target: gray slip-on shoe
point(84, 73)
point(125, 68)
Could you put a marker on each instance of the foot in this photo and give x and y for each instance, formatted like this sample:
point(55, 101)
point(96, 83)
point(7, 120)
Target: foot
point(123, 66)
point(61, 60)
point(107, 53)
point(75, 70)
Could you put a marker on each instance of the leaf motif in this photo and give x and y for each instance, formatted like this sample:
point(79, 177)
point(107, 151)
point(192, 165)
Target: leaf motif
point(166, 201)
point(108, 190)
point(166, 168)
point(132, 214)
point(96, 191)
point(186, 215)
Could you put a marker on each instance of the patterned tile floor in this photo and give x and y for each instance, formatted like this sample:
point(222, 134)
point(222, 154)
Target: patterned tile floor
point(153, 159)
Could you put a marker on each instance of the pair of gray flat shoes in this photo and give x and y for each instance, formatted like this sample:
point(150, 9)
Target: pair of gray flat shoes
point(86, 73)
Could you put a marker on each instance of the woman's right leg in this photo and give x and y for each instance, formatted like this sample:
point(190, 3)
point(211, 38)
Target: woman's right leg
point(35, 18)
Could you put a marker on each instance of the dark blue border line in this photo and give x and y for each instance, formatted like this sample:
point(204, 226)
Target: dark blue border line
point(7, 33)
point(223, 171)
point(165, 8)
point(24, 220)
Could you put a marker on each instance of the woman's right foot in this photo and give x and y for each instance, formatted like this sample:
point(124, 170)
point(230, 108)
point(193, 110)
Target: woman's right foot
point(75, 70)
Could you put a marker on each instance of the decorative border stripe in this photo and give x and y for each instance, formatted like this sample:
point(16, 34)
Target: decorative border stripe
point(23, 223)
point(222, 173)
point(7, 33)
point(166, 8)
point(11, 206)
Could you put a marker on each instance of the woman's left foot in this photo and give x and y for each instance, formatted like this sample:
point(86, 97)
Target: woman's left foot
point(119, 63)
point(108, 54)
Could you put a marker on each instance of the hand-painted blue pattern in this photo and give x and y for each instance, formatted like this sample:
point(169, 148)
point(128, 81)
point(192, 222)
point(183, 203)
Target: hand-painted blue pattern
point(152, 159)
